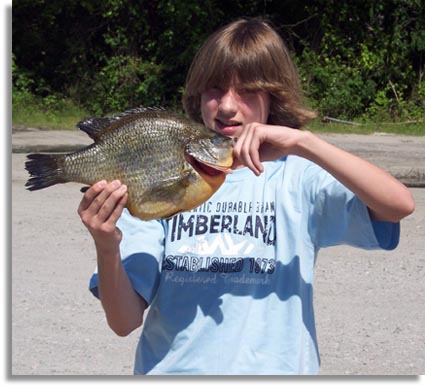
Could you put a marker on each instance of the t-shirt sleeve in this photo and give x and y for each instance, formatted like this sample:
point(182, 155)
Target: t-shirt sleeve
point(141, 249)
point(338, 217)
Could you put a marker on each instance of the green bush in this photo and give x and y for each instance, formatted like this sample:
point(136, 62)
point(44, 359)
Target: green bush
point(125, 81)
point(335, 89)
point(361, 60)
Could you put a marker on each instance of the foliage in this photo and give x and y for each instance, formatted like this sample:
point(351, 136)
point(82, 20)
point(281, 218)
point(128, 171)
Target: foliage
point(51, 111)
point(369, 60)
point(357, 60)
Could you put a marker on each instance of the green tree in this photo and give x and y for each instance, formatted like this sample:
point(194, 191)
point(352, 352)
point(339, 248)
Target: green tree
point(356, 59)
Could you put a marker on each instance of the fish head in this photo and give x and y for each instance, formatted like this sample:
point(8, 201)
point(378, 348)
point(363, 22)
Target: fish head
point(211, 155)
point(209, 159)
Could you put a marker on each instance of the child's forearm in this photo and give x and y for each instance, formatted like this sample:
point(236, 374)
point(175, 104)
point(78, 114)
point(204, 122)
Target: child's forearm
point(124, 308)
point(100, 208)
point(386, 197)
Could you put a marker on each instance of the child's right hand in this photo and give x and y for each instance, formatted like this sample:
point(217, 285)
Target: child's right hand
point(99, 210)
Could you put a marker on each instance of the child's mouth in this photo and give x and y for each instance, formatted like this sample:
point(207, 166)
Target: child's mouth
point(227, 128)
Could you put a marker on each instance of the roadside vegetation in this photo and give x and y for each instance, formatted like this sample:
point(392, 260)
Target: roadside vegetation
point(54, 114)
point(360, 62)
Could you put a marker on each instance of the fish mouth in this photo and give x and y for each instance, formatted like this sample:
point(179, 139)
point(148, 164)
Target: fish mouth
point(206, 168)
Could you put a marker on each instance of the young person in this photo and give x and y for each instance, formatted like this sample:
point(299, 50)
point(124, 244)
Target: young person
point(230, 283)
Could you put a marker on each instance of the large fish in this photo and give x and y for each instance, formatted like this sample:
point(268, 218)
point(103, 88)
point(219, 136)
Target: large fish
point(169, 163)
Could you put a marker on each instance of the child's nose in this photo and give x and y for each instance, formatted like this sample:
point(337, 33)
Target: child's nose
point(228, 101)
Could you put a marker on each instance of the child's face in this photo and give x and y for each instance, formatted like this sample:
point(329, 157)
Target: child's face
point(228, 111)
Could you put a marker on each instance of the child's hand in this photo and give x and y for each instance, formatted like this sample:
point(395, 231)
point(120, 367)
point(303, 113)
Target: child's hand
point(260, 142)
point(100, 208)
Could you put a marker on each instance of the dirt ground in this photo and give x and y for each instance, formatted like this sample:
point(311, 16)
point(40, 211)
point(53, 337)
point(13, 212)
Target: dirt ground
point(369, 305)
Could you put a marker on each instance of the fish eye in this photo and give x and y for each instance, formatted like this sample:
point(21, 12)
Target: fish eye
point(215, 140)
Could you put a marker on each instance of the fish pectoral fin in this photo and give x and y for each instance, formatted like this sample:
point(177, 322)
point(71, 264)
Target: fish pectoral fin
point(164, 199)
point(172, 190)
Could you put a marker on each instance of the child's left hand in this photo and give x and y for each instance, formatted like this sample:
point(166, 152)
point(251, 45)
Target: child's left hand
point(386, 198)
point(260, 142)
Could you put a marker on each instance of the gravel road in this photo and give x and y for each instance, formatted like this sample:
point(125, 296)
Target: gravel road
point(369, 305)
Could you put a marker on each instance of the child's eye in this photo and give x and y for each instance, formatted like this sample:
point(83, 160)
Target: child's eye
point(216, 89)
point(245, 91)
point(214, 92)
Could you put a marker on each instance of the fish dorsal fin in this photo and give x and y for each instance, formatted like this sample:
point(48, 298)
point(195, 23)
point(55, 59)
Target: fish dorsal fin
point(95, 127)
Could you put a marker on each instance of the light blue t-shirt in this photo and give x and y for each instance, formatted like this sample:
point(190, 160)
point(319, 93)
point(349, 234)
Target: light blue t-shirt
point(230, 284)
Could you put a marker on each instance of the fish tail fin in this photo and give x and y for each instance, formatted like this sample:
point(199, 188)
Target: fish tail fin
point(45, 170)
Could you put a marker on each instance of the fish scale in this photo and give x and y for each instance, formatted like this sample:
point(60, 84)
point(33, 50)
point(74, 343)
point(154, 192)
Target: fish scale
point(169, 163)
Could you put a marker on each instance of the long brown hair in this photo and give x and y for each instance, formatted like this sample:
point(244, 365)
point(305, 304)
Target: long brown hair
point(251, 52)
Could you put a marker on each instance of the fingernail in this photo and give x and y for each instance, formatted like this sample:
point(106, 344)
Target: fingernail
point(115, 183)
point(101, 184)
point(123, 188)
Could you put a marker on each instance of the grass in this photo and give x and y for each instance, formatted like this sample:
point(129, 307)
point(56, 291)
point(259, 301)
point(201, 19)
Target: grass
point(400, 128)
point(65, 115)
point(65, 120)
point(32, 113)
